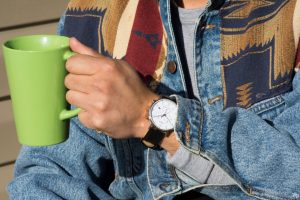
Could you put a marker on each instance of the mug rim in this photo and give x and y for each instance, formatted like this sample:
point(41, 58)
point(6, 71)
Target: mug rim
point(6, 46)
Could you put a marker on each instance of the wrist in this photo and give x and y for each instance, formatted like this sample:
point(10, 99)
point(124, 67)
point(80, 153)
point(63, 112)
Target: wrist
point(170, 144)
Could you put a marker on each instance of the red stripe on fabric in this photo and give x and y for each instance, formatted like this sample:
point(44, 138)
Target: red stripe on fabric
point(298, 57)
point(146, 38)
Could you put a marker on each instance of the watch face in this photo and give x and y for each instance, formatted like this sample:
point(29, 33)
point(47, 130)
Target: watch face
point(163, 114)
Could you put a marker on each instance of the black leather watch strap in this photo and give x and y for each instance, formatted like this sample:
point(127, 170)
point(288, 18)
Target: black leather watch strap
point(153, 137)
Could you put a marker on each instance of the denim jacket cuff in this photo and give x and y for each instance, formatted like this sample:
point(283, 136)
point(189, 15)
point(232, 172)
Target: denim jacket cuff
point(189, 122)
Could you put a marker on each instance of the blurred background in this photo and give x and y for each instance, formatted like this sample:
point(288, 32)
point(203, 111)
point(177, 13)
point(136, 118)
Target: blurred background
point(19, 17)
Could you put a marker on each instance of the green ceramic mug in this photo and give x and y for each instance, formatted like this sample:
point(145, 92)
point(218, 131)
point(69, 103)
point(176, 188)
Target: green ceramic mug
point(35, 67)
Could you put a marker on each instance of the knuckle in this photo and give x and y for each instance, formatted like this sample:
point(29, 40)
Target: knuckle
point(101, 105)
point(97, 122)
point(110, 66)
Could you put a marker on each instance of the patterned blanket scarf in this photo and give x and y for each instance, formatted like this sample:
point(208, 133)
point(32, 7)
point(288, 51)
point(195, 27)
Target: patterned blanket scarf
point(259, 37)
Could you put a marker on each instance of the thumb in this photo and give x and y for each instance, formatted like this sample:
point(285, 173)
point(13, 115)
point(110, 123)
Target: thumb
point(80, 48)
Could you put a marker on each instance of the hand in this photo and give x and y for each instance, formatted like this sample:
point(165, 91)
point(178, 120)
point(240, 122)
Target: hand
point(110, 93)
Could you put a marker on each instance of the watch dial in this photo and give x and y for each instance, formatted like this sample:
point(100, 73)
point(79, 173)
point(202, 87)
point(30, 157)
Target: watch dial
point(163, 114)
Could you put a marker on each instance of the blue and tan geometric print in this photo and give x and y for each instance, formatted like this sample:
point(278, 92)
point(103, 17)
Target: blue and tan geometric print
point(106, 12)
point(244, 93)
point(86, 25)
point(257, 50)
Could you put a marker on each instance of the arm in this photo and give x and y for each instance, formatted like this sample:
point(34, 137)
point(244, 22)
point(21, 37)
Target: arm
point(69, 170)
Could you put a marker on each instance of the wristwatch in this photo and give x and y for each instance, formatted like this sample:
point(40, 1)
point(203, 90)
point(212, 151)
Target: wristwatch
point(162, 116)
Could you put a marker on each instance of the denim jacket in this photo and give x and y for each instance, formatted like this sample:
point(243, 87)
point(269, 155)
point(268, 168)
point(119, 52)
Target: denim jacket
point(247, 120)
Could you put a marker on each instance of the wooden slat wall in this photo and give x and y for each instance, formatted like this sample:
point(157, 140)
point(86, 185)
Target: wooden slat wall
point(17, 12)
point(6, 176)
point(19, 18)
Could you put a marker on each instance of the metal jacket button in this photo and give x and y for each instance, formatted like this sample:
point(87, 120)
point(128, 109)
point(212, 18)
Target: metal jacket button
point(172, 66)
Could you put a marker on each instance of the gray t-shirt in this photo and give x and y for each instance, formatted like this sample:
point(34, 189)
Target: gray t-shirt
point(201, 169)
point(188, 19)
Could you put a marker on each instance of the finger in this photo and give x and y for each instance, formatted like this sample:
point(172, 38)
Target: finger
point(85, 118)
point(78, 99)
point(80, 83)
point(80, 48)
point(83, 64)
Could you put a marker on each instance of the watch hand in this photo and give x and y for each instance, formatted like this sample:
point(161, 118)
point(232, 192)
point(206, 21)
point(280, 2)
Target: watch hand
point(167, 112)
point(156, 116)
point(169, 120)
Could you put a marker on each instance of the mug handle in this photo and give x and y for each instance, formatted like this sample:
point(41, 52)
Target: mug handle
point(66, 114)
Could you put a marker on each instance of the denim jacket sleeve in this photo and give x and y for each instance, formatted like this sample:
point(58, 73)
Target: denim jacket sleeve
point(249, 144)
point(192, 118)
point(69, 170)
point(189, 120)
